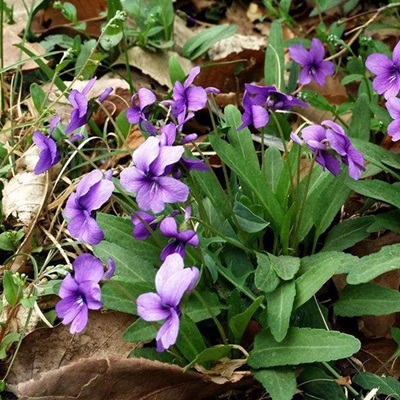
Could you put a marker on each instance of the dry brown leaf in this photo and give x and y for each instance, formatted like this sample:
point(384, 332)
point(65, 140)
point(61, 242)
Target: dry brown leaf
point(13, 55)
point(154, 64)
point(119, 379)
point(47, 349)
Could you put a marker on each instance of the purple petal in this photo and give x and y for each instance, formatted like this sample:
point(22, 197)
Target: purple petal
point(393, 130)
point(168, 155)
point(393, 106)
point(378, 64)
point(110, 270)
point(133, 114)
point(330, 162)
point(191, 77)
point(89, 85)
point(54, 122)
point(196, 98)
point(169, 228)
point(396, 53)
point(105, 94)
point(305, 77)
point(175, 247)
point(195, 279)
point(172, 265)
point(80, 321)
point(85, 228)
point(296, 139)
point(98, 194)
point(72, 210)
point(68, 287)
point(317, 51)
point(92, 294)
point(151, 308)
point(146, 153)
point(168, 332)
point(88, 268)
point(299, 54)
point(175, 287)
point(86, 183)
point(132, 179)
point(260, 116)
point(68, 308)
point(76, 122)
point(146, 98)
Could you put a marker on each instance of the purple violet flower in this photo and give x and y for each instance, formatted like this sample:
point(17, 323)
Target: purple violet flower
point(137, 113)
point(322, 141)
point(314, 66)
point(49, 154)
point(188, 97)
point(91, 193)
point(340, 143)
point(172, 281)
point(169, 228)
point(80, 293)
point(393, 106)
point(147, 178)
point(259, 100)
point(79, 103)
point(387, 71)
point(140, 231)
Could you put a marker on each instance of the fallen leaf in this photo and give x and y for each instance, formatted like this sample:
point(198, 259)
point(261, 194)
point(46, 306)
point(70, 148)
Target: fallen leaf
point(119, 379)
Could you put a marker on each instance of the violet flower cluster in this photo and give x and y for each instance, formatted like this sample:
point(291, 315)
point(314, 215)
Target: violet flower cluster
point(260, 101)
point(328, 138)
point(91, 193)
point(49, 154)
point(315, 68)
point(81, 292)
point(173, 280)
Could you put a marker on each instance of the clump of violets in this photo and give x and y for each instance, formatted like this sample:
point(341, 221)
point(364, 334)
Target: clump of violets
point(328, 138)
point(81, 292)
point(172, 281)
point(259, 101)
point(91, 193)
point(188, 97)
point(149, 179)
point(393, 106)
point(315, 68)
point(387, 71)
point(169, 228)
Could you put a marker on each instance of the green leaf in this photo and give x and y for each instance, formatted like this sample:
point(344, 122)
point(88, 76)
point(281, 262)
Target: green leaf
point(361, 119)
point(367, 299)
point(196, 311)
point(376, 264)
point(280, 383)
point(279, 309)
point(239, 322)
point(286, 267)
point(386, 385)
point(301, 345)
point(348, 233)
point(120, 294)
point(12, 291)
point(241, 157)
point(6, 242)
point(176, 72)
point(316, 270)
point(247, 220)
point(274, 66)
point(190, 341)
point(352, 78)
point(315, 383)
point(199, 43)
point(140, 331)
point(273, 166)
point(266, 279)
point(8, 339)
point(377, 189)
point(212, 354)
point(113, 33)
point(38, 96)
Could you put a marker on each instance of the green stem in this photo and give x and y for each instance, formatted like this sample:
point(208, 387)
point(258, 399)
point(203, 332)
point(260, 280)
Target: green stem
point(337, 376)
point(215, 319)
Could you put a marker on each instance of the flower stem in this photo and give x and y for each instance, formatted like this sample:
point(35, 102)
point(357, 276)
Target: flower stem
point(215, 319)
